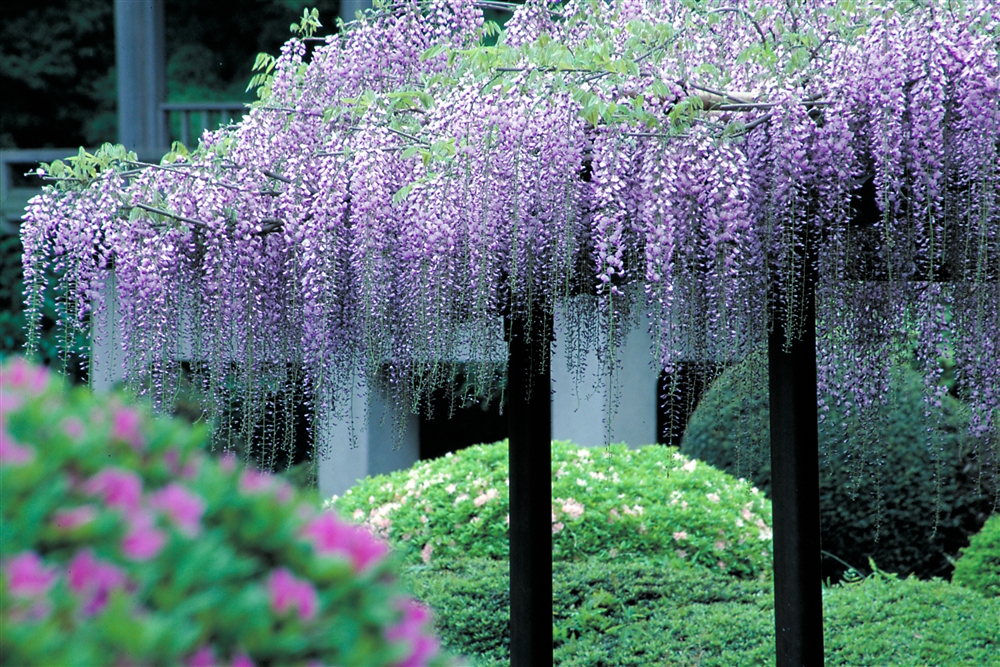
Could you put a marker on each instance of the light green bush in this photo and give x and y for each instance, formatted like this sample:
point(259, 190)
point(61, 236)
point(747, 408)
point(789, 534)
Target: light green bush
point(979, 566)
point(609, 503)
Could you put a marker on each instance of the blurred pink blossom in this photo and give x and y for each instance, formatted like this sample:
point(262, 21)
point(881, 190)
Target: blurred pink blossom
point(74, 428)
point(573, 508)
point(143, 540)
point(93, 580)
point(126, 426)
point(413, 630)
point(74, 517)
point(287, 592)
point(330, 535)
point(203, 657)
point(12, 453)
point(183, 507)
point(242, 660)
point(557, 527)
point(19, 374)
point(425, 553)
point(27, 576)
point(118, 488)
point(680, 535)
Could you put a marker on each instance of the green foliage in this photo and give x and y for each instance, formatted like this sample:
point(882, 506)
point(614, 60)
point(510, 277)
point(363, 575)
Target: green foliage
point(13, 322)
point(607, 503)
point(908, 501)
point(644, 612)
point(123, 543)
point(979, 566)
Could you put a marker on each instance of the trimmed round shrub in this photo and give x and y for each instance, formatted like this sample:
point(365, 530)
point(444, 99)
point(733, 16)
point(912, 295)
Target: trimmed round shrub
point(979, 566)
point(607, 503)
point(124, 543)
point(909, 501)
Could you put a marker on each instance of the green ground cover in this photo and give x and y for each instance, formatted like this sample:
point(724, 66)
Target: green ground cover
point(641, 612)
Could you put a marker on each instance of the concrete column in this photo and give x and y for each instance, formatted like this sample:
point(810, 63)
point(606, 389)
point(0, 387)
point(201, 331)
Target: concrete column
point(347, 457)
point(348, 8)
point(140, 57)
point(107, 356)
point(579, 411)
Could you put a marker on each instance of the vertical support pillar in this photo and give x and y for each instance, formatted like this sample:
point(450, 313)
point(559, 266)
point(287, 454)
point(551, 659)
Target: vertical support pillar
point(107, 354)
point(579, 412)
point(350, 452)
point(348, 8)
point(529, 409)
point(798, 594)
point(140, 57)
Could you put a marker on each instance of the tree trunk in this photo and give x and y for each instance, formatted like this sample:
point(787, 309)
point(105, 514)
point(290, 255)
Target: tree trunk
point(529, 411)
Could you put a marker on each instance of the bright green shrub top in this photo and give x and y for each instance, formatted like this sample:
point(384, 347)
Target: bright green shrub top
point(979, 566)
point(123, 543)
point(636, 613)
point(909, 500)
point(606, 502)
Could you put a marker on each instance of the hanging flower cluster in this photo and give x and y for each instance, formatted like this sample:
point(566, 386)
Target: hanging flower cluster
point(400, 188)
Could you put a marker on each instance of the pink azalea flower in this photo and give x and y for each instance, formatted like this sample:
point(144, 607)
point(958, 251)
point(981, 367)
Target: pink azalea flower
point(425, 553)
point(118, 488)
point(74, 428)
point(203, 657)
point(252, 481)
point(331, 536)
point(74, 517)
point(228, 462)
point(93, 580)
point(126, 425)
point(9, 402)
point(22, 375)
point(287, 592)
point(183, 507)
point(143, 540)
point(411, 629)
point(242, 660)
point(27, 576)
point(11, 453)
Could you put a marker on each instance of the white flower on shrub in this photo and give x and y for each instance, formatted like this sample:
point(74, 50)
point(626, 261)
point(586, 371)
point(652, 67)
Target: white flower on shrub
point(573, 508)
point(450, 488)
point(714, 497)
point(690, 465)
point(484, 498)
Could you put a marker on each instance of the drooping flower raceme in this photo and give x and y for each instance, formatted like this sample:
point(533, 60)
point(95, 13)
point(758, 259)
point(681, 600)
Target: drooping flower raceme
point(399, 189)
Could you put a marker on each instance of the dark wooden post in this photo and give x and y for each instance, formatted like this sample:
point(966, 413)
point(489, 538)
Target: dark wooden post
point(798, 595)
point(141, 62)
point(529, 411)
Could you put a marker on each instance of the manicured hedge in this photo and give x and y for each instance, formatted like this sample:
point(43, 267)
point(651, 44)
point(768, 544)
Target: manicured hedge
point(909, 501)
point(609, 503)
point(642, 612)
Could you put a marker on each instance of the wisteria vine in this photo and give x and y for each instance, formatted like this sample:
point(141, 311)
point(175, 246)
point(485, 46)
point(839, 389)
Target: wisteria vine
point(400, 187)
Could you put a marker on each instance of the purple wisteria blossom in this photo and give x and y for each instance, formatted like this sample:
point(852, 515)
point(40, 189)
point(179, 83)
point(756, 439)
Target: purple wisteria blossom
point(399, 189)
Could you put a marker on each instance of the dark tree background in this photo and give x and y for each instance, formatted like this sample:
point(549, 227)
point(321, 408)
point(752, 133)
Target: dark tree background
point(57, 61)
point(57, 74)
